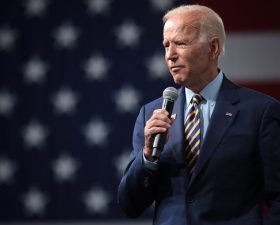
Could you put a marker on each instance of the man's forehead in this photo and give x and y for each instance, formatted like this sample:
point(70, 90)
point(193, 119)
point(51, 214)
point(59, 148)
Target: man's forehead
point(182, 22)
point(181, 26)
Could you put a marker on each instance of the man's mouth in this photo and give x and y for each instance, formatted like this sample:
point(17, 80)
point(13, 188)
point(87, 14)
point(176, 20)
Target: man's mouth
point(175, 68)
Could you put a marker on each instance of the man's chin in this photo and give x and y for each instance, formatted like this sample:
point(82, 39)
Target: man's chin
point(177, 79)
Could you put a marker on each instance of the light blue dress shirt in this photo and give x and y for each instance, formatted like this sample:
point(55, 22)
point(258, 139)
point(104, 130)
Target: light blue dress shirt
point(206, 107)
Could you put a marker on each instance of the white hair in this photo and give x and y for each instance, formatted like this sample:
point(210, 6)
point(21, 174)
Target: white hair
point(211, 24)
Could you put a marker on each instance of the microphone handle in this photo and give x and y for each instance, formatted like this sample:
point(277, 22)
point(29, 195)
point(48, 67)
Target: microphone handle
point(160, 138)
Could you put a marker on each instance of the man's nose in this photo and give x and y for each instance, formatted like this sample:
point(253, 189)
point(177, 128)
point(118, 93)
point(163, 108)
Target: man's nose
point(171, 53)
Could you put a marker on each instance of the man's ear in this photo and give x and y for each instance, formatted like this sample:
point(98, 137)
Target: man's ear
point(214, 48)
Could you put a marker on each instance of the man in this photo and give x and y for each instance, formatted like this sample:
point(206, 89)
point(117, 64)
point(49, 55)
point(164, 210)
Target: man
point(221, 161)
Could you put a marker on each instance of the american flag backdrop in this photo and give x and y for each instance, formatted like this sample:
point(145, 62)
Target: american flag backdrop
point(73, 75)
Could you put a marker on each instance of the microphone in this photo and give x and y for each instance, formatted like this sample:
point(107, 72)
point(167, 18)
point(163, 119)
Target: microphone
point(170, 95)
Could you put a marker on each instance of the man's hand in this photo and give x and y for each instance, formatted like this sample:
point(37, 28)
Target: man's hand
point(158, 123)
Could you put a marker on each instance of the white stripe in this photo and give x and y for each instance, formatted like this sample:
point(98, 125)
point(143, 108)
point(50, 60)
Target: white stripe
point(252, 56)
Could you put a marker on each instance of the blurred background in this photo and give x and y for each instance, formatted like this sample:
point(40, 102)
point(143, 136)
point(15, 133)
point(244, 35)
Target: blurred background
point(73, 76)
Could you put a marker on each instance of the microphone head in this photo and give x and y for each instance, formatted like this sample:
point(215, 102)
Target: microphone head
point(170, 93)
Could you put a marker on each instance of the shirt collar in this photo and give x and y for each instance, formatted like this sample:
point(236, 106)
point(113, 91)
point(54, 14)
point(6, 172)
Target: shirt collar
point(209, 92)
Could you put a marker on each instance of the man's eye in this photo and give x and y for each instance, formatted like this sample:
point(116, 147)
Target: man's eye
point(182, 43)
point(165, 45)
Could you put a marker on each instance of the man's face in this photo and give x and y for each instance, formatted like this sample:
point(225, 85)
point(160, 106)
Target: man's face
point(186, 56)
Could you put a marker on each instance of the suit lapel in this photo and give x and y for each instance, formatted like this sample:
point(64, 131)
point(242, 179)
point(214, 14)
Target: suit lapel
point(224, 114)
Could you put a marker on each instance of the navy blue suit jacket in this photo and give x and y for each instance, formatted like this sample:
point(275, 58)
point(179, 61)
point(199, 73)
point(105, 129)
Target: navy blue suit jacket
point(238, 168)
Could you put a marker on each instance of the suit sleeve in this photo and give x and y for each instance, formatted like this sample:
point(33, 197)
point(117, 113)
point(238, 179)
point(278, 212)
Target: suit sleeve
point(270, 152)
point(136, 189)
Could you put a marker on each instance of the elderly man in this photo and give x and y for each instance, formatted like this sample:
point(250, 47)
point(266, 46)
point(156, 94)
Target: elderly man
point(221, 160)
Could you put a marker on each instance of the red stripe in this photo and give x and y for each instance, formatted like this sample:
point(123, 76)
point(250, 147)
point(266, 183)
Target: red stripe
point(246, 15)
point(269, 88)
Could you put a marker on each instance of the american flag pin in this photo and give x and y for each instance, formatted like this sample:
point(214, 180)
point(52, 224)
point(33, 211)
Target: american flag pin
point(228, 114)
point(173, 116)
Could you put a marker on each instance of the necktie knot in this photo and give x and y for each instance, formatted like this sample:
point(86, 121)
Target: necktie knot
point(196, 99)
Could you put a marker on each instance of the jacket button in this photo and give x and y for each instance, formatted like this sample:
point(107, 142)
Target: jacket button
point(190, 199)
point(146, 182)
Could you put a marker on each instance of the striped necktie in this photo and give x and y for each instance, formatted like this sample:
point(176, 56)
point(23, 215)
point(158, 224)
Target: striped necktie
point(192, 132)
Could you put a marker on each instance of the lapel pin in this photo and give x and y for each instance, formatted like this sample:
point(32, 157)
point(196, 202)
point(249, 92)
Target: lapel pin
point(228, 114)
point(173, 116)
